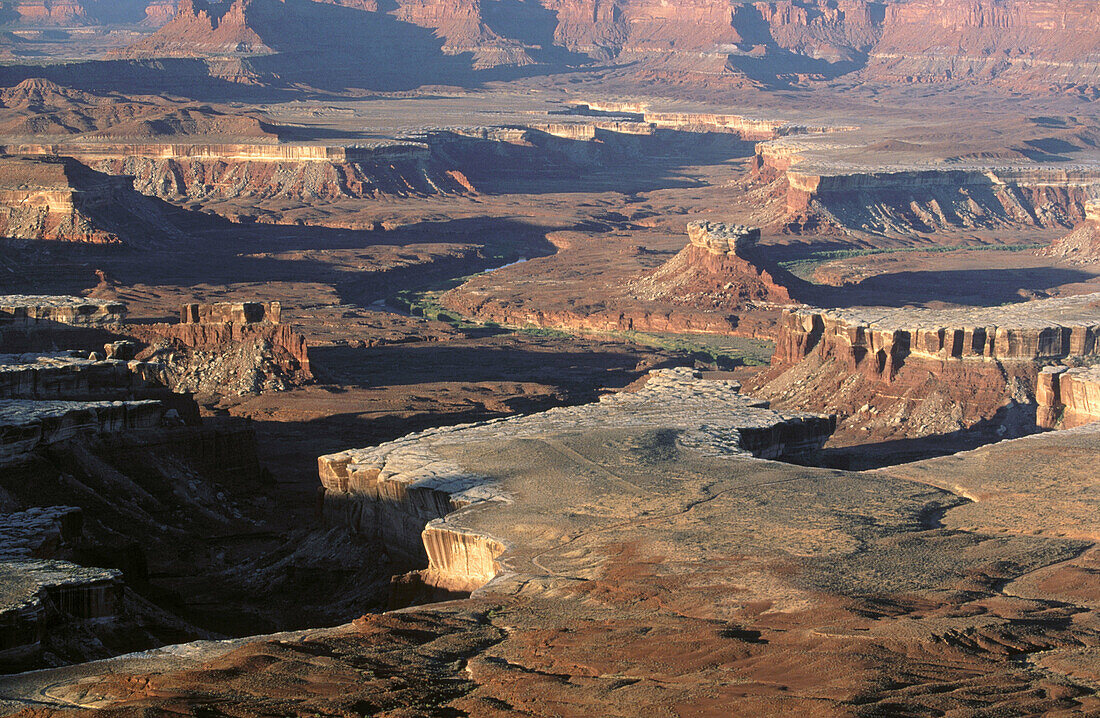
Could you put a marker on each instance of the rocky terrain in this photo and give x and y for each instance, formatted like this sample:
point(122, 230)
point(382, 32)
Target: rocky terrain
point(803, 601)
point(933, 374)
point(704, 358)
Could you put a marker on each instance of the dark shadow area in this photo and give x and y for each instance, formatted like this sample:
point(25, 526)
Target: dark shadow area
point(1009, 422)
point(979, 288)
point(397, 365)
point(214, 251)
point(608, 162)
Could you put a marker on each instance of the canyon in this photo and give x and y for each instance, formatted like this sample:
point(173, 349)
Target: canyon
point(556, 358)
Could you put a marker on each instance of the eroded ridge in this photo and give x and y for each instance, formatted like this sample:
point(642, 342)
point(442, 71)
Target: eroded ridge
point(392, 491)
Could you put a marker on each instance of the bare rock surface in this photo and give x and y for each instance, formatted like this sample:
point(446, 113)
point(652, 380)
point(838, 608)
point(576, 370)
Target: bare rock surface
point(637, 572)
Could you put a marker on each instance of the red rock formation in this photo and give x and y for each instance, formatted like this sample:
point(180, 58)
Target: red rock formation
point(85, 12)
point(230, 313)
point(878, 341)
point(200, 27)
point(719, 268)
point(1082, 246)
point(1068, 397)
point(58, 198)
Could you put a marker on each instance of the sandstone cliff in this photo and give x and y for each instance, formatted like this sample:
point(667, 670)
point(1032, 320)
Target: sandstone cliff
point(822, 189)
point(404, 494)
point(1068, 397)
point(1033, 44)
point(896, 374)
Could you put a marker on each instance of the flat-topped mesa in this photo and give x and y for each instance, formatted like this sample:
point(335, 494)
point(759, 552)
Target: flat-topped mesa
point(1068, 397)
point(401, 494)
point(878, 341)
point(722, 238)
point(720, 268)
point(231, 312)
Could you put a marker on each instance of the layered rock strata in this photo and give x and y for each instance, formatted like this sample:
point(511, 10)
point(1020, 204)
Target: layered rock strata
point(60, 199)
point(879, 341)
point(231, 312)
point(44, 323)
point(401, 493)
point(21, 311)
point(26, 425)
point(1068, 397)
point(720, 268)
point(820, 188)
point(643, 577)
point(234, 347)
point(72, 374)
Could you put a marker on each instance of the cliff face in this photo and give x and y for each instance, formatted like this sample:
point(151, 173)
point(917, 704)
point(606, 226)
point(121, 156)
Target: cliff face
point(924, 199)
point(200, 27)
point(1068, 397)
point(85, 12)
point(1036, 44)
point(1021, 43)
point(1082, 245)
point(879, 342)
point(904, 373)
point(62, 200)
point(407, 495)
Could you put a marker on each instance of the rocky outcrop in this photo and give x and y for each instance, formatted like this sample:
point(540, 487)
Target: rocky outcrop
point(906, 199)
point(895, 376)
point(32, 312)
point(85, 12)
point(1068, 397)
point(879, 341)
point(231, 312)
point(26, 425)
point(225, 348)
point(72, 375)
point(402, 494)
point(200, 27)
point(60, 199)
point(1082, 246)
point(720, 268)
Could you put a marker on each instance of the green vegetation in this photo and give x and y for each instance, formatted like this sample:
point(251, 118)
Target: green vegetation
point(804, 268)
point(718, 349)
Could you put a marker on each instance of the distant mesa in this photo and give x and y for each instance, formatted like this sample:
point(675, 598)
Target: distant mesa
point(721, 267)
point(76, 13)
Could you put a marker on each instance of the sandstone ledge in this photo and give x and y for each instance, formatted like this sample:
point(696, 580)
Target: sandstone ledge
point(879, 340)
point(27, 311)
point(393, 491)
